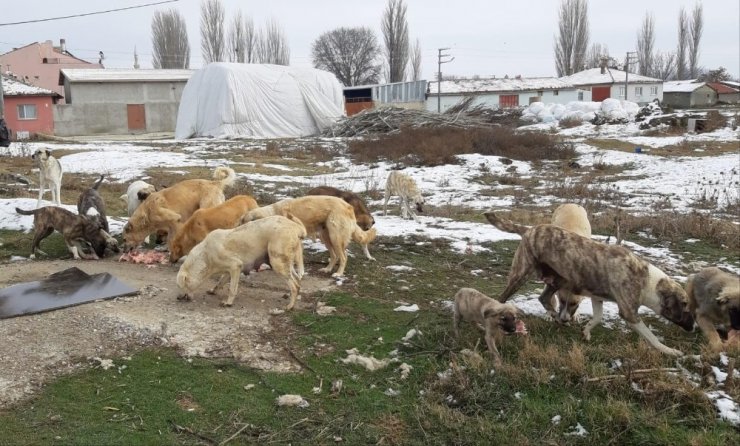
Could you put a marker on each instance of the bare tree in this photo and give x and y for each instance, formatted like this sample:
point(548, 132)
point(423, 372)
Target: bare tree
point(415, 61)
point(664, 66)
point(396, 38)
point(236, 39)
point(683, 41)
point(272, 45)
point(595, 54)
point(646, 45)
point(718, 75)
point(350, 53)
point(572, 41)
point(250, 41)
point(170, 45)
point(695, 31)
point(212, 41)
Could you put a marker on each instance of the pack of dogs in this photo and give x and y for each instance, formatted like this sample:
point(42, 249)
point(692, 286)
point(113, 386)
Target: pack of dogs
point(225, 238)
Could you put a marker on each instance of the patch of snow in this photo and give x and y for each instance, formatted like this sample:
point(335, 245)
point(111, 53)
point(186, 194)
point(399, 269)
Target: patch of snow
point(727, 407)
point(407, 308)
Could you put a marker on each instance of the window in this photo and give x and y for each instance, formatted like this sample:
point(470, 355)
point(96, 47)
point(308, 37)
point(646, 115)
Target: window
point(555, 93)
point(621, 92)
point(638, 91)
point(580, 95)
point(653, 91)
point(26, 111)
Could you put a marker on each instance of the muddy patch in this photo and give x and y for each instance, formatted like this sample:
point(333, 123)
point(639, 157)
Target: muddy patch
point(39, 347)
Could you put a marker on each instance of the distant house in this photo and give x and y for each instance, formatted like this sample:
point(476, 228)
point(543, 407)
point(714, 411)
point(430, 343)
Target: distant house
point(28, 109)
point(119, 101)
point(688, 93)
point(39, 64)
point(499, 92)
point(726, 93)
point(410, 94)
point(601, 83)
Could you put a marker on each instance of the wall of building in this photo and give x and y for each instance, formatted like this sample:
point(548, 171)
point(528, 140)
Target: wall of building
point(44, 122)
point(703, 96)
point(492, 99)
point(645, 98)
point(100, 108)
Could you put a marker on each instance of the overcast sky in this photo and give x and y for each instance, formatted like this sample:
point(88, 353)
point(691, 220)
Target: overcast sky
point(486, 37)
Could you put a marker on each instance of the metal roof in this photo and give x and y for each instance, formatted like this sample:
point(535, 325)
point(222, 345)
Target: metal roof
point(124, 75)
point(685, 86)
point(491, 84)
point(594, 76)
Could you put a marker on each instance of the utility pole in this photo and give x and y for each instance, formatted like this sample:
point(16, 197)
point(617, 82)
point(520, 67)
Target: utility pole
point(439, 74)
point(627, 63)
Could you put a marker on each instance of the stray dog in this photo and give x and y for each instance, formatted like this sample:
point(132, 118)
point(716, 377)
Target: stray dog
point(170, 207)
point(363, 217)
point(573, 218)
point(404, 186)
point(226, 215)
point(50, 175)
point(713, 294)
point(495, 317)
point(76, 230)
point(136, 193)
point(91, 205)
point(274, 240)
point(602, 272)
point(332, 218)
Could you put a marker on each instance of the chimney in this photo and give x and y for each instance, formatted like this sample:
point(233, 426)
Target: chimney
point(63, 45)
point(602, 63)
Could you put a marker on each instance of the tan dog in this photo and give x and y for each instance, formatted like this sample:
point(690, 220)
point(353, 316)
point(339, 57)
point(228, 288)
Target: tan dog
point(274, 240)
point(363, 217)
point(332, 218)
point(50, 175)
point(713, 294)
point(495, 317)
point(226, 215)
point(586, 267)
point(405, 187)
point(573, 218)
point(170, 207)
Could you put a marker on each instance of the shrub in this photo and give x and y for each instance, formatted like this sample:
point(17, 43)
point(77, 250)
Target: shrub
point(714, 121)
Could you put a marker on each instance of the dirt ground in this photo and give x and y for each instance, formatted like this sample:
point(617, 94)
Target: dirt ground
point(40, 347)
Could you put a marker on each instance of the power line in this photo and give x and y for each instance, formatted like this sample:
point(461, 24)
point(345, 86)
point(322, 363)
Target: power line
point(87, 13)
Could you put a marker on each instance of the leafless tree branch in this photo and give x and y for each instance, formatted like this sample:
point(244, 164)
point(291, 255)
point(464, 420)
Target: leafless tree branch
point(170, 45)
point(212, 42)
point(396, 39)
point(272, 45)
point(695, 32)
point(572, 41)
point(350, 53)
point(646, 45)
point(415, 61)
point(683, 42)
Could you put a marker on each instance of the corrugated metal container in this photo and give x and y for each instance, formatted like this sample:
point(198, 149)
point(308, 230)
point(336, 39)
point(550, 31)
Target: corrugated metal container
point(414, 91)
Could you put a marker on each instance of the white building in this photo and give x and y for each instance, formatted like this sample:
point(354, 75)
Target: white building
point(597, 84)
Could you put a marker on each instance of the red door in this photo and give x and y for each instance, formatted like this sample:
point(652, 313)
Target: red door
point(598, 94)
point(136, 116)
point(508, 100)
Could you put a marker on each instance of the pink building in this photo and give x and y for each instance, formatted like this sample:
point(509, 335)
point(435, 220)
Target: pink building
point(39, 64)
point(29, 110)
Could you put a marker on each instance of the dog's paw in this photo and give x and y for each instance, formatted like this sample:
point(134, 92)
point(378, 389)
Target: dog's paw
point(226, 303)
point(184, 297)
point(325, 270)
point(586, 335)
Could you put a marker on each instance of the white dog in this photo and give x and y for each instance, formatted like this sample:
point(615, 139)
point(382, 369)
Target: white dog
point(50, 175)
point(136, 194)
point(404, 186)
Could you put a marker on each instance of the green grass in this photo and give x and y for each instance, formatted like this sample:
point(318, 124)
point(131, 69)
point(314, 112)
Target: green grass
point(148, 401)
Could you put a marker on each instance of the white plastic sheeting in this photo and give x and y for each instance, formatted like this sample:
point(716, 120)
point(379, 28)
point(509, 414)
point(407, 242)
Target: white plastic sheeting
point(610, 108)
point(225, 100)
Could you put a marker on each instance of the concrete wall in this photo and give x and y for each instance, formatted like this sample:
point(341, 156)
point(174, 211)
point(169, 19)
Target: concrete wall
point(100, 108)
point(703, 96)
point(492, 99)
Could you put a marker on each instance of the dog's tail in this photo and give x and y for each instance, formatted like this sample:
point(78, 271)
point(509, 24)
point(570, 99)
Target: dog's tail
point(505, 225)
point(97, 183)
point(225, 176)
point(22, 212)
point(364, 237)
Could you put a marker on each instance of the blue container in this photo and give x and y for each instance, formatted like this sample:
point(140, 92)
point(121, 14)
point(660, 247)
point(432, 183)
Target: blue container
point(638, 149)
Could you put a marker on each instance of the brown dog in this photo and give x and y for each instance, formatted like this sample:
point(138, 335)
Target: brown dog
point(713, 294)
point(495, 317)
point(170, 207)
point(226, 215)
point(76, 230)
point(573, 218)
point(586, 267)
point(363, 217)
point(332, 218)
point(274, 240)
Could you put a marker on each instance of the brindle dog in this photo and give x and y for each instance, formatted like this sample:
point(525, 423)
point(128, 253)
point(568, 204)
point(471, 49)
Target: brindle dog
point(602, 272)
point(91, 205)
point(76, 230)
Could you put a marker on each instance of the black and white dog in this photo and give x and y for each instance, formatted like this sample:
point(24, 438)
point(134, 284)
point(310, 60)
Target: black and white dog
point(91, 205)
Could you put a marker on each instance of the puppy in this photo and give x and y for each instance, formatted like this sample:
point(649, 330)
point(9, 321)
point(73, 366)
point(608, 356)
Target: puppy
point(50, 175)
point(76, 230)
point(713, 295)
point(586, 267)
point(473, 306)
point(571, 217)
point(226, 215)
point(91, 205)
point(404, 186)
point(274, 240)
point(332, 218)
point(168, 208)
point(136, 193)
point(363, 217)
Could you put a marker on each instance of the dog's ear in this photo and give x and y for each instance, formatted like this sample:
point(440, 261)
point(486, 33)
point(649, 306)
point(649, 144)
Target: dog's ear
point(142, 195)
point(674, 303)
point(48, 152)
point(490, 312)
